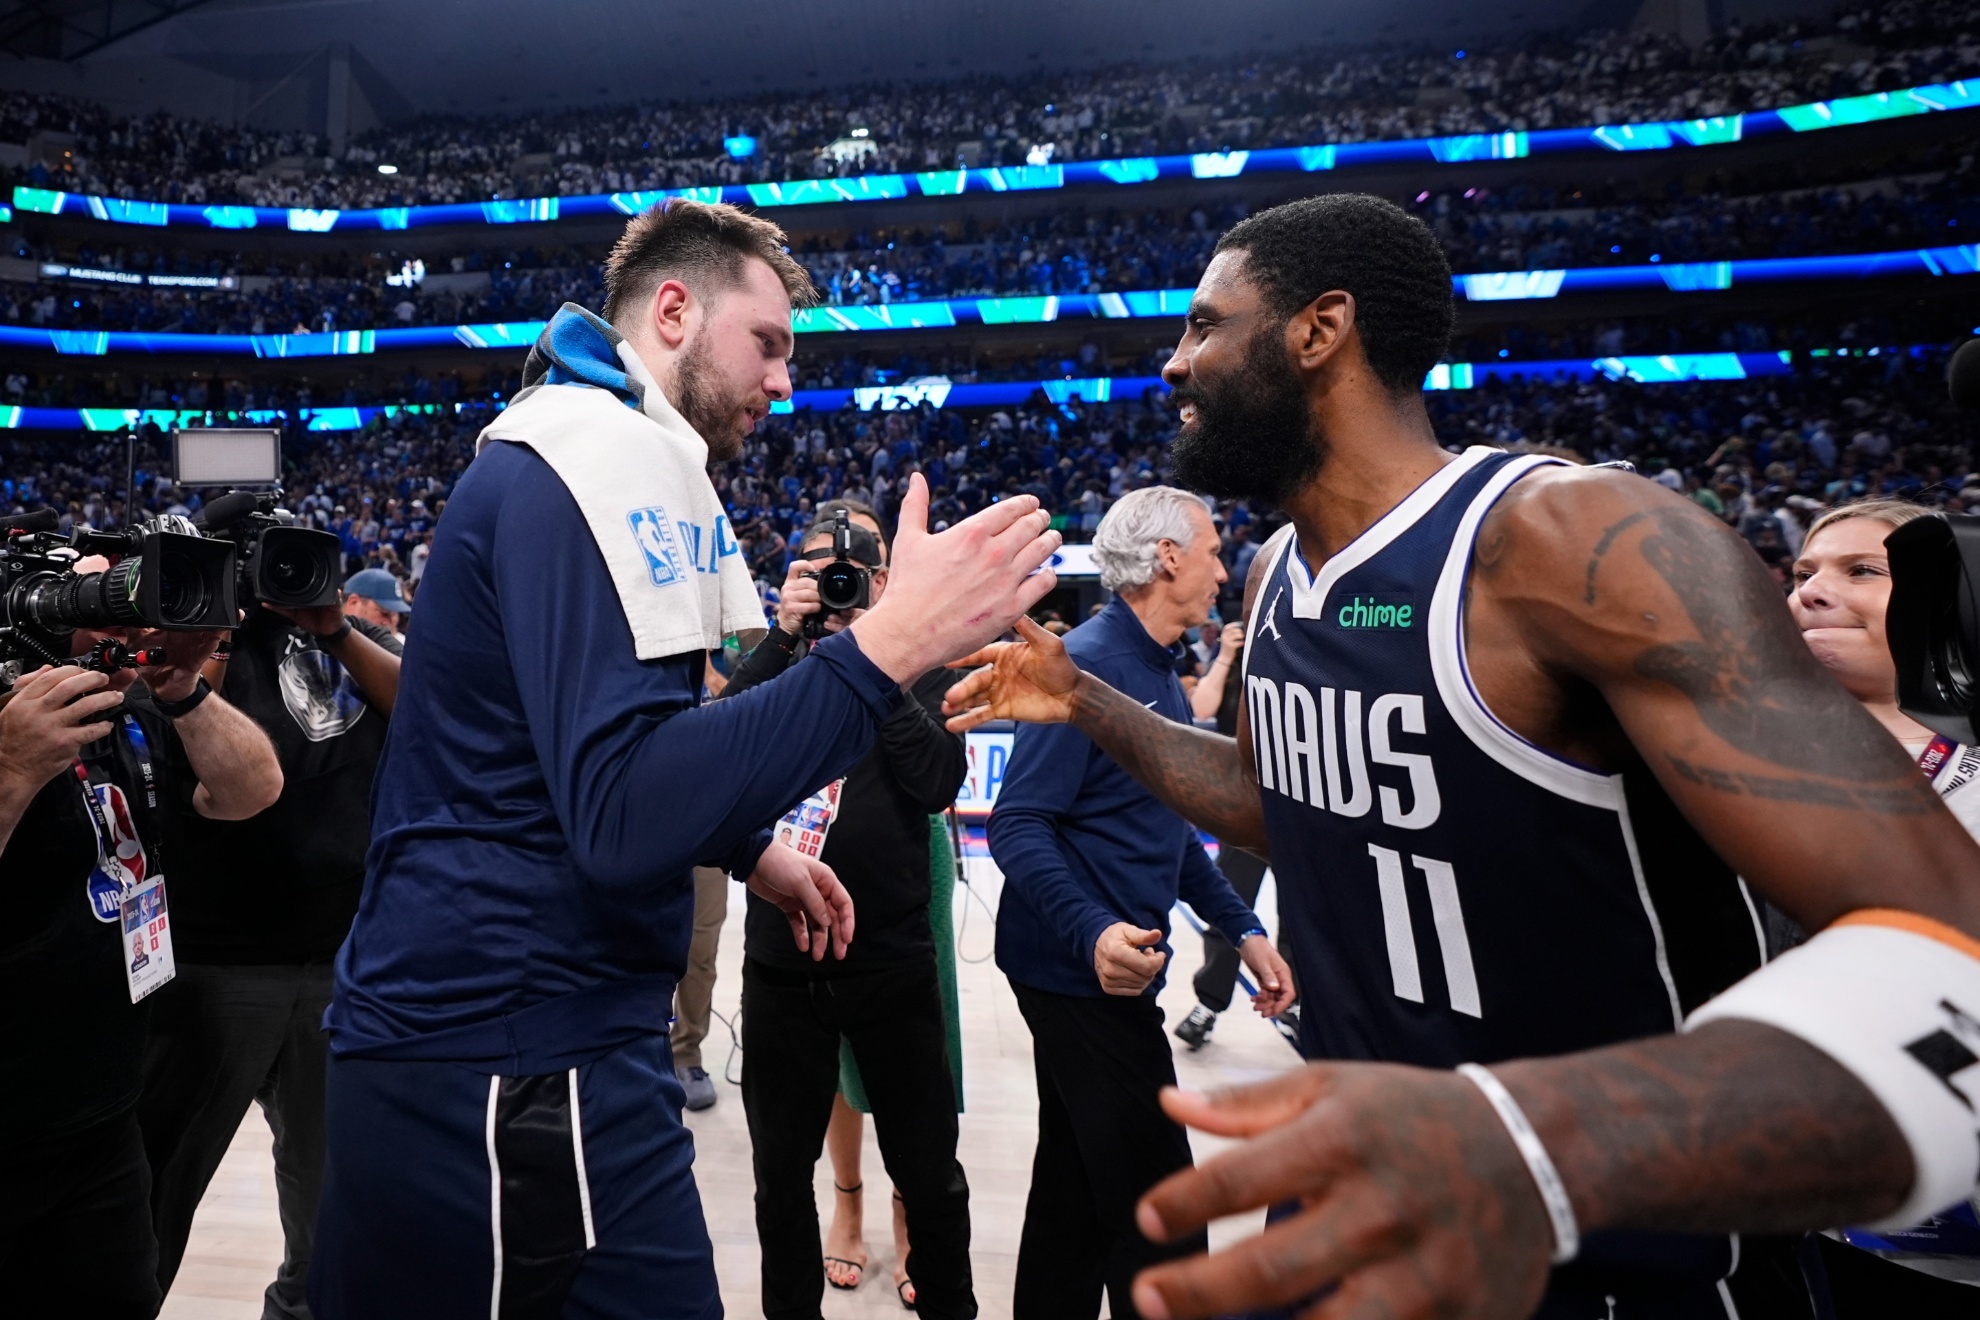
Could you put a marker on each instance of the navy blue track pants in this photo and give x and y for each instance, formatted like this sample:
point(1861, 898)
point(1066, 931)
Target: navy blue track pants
point(449, 1194)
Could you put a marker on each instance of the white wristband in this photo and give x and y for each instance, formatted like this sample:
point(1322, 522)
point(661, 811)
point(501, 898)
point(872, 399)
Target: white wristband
point(1553, 1192)
point(1894, 998)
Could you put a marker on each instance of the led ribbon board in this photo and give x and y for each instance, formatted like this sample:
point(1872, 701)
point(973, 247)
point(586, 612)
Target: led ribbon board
point(1502, 286)
point(1658, 136)
point(939, 392)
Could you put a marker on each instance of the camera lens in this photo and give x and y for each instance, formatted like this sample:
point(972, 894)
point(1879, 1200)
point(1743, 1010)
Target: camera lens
point(295, 567)
point(183, 592)
point(292, 574)
point(841, 586)
point(84, 600)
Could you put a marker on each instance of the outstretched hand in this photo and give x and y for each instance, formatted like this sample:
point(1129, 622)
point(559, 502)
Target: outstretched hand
point(809, 895)
point(950, 592)
point(1414, 1201)
point(1030, 680)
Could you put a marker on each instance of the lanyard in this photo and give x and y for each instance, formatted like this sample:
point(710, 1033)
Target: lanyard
point(141, 748)
point(1933, 758)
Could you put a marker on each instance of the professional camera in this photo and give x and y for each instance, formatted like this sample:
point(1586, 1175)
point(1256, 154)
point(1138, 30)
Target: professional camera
point(1933, 622)
point(163, 574)
point(844, 583)
point(280, 564)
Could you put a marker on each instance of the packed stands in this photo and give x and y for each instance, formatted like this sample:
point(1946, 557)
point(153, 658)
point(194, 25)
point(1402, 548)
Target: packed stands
point(1305, 97)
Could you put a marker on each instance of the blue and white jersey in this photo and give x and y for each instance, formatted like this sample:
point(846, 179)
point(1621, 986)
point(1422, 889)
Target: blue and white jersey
point(1452, 892)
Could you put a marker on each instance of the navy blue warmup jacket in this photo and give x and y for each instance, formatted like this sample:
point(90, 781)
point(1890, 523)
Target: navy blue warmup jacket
point(1083, 845)
point(544, 795)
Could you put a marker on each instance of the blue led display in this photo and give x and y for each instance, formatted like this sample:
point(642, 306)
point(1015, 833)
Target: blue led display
point(1501, 286)
point(940, 392)
point(1658, 136)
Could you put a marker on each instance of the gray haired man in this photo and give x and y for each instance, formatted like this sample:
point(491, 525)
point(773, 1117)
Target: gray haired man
point(1093, 864)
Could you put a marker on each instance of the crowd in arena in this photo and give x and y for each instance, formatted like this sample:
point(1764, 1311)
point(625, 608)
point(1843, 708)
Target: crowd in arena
point(1765, 455)
point(523, 718)
point(1128, 110)
point(1067, 251)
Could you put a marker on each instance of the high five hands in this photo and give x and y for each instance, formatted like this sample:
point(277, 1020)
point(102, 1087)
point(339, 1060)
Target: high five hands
point(949, 592)
point(1032, 680)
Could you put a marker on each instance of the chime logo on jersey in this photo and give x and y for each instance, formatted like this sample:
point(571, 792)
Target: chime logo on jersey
point(1386, 613)
point(1316, 747)
point(106, 891)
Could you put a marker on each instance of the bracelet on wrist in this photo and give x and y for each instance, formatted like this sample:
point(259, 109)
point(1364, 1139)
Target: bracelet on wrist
point(332, 639)
point(173, 710)
point(1539, 1165)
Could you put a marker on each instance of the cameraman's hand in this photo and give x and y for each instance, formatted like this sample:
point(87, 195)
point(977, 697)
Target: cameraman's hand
point(950, 592)
point(797, 599)
point(318, 620)
point(809, 895)
point(185, 652)
point(51, 714)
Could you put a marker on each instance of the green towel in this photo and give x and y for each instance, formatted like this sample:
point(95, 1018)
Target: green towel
point(942, 922)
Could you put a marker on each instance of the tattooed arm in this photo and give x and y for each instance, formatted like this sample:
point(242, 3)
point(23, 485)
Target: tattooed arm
point(1599, 579)
point(1207, 779)
point(1414, 1200)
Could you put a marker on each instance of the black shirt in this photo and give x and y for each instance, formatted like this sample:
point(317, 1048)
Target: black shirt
point(283, 886)
point(878, 844)
point(69, 1035)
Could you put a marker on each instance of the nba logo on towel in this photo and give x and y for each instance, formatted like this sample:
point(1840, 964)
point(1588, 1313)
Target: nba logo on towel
point(655, 533)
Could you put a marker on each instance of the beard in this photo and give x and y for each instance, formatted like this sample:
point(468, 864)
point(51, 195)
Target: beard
point(1253, 437)
point(705, 406)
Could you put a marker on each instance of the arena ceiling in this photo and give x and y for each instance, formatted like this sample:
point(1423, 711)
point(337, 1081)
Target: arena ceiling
point(493, 55)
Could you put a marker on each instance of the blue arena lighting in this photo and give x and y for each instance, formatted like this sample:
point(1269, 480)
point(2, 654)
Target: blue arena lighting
point(1498, 286)
point(1660, 136)
point(740, 147)
point(940, 392)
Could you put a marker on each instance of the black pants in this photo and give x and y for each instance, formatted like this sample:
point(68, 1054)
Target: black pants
point(1102, 1141)
point(792, 1023)
point(221, 1039)
point(75, 1225)
point(1214, 980)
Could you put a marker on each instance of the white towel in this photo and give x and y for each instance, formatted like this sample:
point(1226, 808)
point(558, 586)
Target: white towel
point(640, 477)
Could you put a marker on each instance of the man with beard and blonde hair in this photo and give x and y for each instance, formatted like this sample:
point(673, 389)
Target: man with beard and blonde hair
point(1514, 730)
point(504, 1131)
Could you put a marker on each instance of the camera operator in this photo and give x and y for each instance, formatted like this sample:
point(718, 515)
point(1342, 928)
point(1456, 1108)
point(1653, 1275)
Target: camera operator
point(88, 774)
point(883, 998)
point(260, 907)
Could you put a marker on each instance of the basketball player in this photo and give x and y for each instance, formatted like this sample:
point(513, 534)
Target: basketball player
point(1512, 728)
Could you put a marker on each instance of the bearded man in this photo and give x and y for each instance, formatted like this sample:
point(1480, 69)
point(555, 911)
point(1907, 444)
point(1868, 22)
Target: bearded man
point(1514, 731)
point(504, 1114)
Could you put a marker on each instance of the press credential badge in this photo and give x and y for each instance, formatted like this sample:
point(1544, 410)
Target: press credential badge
point(148, 961)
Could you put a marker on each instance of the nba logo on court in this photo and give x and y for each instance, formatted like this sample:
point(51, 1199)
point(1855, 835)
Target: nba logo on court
point(655, 534)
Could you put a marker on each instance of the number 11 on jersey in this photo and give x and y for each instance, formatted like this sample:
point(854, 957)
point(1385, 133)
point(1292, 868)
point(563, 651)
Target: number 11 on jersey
point(1448, 914)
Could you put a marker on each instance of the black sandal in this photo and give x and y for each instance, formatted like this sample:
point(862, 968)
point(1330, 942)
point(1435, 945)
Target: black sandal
point(841, 1260)
point(901, 1289)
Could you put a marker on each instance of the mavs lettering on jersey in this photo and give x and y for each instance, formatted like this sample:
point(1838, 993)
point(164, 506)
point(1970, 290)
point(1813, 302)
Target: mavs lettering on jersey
point(1454, 893)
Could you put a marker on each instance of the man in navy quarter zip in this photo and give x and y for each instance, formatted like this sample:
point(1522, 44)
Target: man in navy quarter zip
point(1092, 864)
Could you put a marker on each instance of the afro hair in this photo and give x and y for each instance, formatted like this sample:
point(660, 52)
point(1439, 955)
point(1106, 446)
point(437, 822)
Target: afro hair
point(1367, 247)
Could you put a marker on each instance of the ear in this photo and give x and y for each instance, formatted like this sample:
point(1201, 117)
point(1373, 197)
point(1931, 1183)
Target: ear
point(1318, 331)
point(1171, 555)
point(673, 307)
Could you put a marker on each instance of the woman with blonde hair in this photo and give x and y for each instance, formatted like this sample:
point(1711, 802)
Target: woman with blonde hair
point(1842, 587)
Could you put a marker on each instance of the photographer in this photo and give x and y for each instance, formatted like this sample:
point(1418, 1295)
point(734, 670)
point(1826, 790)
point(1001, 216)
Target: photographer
point(883, 998)
point(88, 773)
point(260, 908)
